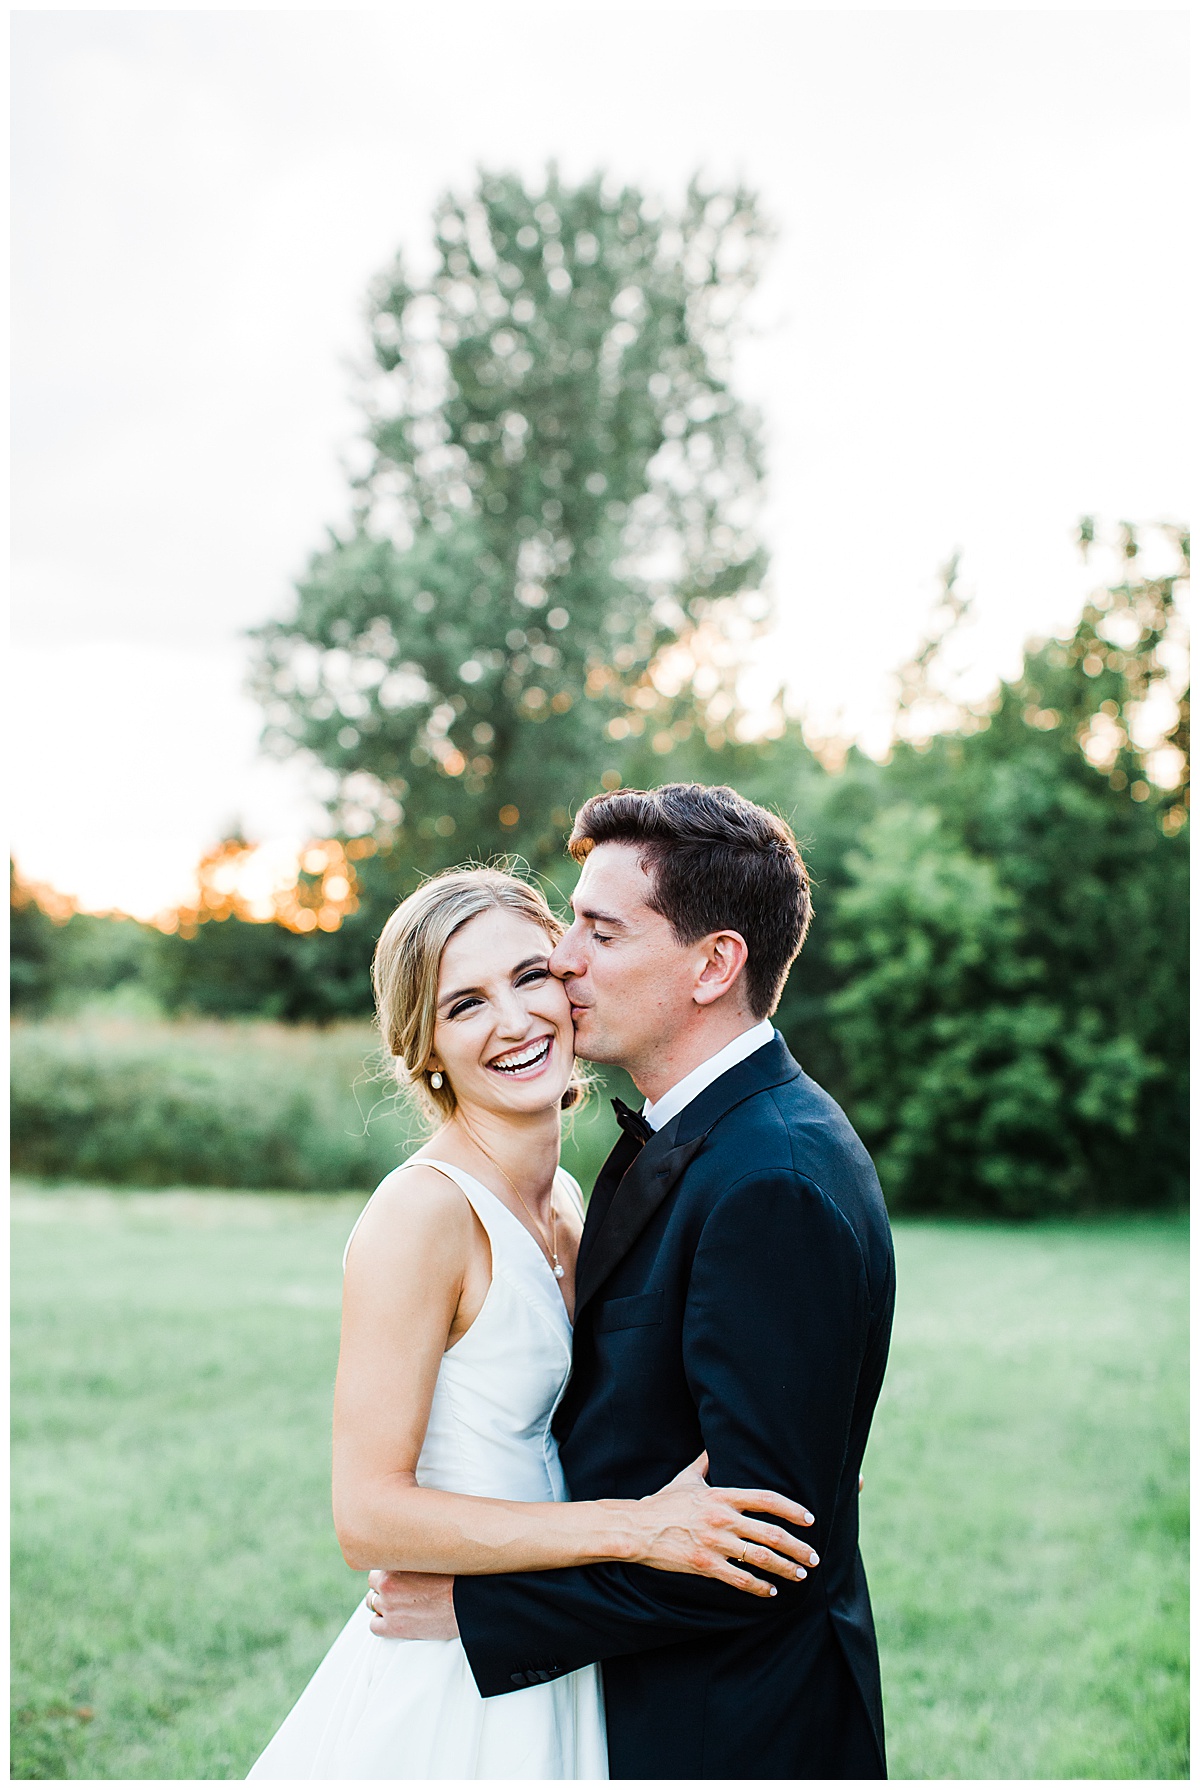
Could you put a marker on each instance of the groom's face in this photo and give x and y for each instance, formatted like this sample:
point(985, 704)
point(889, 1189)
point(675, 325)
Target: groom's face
point(629, 980)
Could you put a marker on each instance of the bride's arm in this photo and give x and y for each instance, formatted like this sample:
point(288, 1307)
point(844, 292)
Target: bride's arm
point(413, 1260)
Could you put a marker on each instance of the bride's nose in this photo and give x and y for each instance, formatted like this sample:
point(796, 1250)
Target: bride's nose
point(512, 1019)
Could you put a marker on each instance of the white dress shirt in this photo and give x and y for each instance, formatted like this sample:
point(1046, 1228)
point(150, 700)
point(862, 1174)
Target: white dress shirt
point(685, 1091)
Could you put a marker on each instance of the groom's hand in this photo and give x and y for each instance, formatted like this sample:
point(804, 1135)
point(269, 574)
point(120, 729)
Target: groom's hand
point(412, 1606)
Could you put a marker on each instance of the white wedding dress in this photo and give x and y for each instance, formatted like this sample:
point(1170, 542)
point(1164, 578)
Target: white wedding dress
point(376, 1708)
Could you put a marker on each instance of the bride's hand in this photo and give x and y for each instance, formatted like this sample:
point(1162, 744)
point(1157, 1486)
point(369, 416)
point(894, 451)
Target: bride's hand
point(692, 1527)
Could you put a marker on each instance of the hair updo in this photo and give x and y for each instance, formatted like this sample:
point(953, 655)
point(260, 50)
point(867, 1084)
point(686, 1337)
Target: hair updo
point(408, 957)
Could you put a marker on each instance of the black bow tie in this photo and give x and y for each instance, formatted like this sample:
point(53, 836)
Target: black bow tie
point(633, 1124)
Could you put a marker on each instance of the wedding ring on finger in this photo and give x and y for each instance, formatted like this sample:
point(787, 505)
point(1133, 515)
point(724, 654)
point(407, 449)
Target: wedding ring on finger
point(371, 1604)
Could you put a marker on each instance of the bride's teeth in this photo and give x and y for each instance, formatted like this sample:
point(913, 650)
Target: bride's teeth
point(524, 1061)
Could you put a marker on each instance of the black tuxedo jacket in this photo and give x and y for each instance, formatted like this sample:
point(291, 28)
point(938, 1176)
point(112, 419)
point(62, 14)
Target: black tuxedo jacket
point(734, 1293)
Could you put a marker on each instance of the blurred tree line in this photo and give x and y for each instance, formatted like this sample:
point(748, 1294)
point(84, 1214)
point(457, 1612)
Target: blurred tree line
point(545, 584)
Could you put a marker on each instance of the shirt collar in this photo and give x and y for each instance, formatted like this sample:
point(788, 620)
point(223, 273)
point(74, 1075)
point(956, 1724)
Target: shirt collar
point(685, 1091)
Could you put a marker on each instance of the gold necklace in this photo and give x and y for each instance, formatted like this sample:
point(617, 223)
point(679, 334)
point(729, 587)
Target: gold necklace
point(551, 1254)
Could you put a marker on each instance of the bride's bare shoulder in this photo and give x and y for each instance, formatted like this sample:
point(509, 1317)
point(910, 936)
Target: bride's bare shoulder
point(417, 1208)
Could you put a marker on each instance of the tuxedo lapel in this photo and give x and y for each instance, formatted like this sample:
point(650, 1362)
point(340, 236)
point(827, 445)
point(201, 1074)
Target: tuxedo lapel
point(623, 1154)
point(635, 1181)
point(630, 1204)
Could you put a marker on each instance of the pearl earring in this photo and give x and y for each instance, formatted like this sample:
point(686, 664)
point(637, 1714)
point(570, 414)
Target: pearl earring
point(435, 1080)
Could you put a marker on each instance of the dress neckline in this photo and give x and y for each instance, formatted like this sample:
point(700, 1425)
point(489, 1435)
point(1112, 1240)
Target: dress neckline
point(435, 1162)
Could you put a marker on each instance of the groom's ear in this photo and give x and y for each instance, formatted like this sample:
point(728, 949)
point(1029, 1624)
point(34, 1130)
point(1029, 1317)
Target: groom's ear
point(723, 957)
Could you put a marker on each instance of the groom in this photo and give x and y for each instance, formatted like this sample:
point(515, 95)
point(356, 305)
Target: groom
point(734, 1293)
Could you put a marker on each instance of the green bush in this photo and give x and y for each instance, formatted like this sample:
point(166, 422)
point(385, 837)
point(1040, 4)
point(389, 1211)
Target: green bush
point(245, 969)
point(1010, 1095)
point(202, 1105)
point(60, 962)
point(206, 1104)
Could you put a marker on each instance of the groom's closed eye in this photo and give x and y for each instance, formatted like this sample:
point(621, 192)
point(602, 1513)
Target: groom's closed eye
point(610, 922)
point(605, 930)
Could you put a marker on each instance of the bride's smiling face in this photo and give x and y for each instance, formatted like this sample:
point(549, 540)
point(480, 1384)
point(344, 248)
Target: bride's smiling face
point(503, 1036)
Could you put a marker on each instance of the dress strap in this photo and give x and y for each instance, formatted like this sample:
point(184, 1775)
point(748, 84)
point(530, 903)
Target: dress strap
point(485, 1208)
point(471, 1188)
point(466, 1184)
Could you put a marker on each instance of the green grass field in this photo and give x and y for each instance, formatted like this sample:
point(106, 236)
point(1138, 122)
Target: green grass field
point(176, 1575)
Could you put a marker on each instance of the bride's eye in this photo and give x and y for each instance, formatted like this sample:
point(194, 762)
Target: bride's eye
point(461, 1007)
point(538, 975)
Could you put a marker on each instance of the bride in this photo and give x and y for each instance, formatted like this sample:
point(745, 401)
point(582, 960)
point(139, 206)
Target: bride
point(456, 1348)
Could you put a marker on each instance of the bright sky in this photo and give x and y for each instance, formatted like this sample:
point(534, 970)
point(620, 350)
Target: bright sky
point(971, 333)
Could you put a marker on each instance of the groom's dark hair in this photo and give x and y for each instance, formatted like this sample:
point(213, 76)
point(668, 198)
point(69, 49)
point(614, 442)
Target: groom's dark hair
point(716, 861)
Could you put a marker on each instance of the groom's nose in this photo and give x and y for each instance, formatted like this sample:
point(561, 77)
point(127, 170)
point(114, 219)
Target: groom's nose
point(566, 959)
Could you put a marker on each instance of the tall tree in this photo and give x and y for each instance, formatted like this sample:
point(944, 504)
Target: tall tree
point(557, 513)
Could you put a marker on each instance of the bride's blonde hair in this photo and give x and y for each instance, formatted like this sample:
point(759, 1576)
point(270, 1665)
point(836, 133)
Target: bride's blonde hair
point(407, 959)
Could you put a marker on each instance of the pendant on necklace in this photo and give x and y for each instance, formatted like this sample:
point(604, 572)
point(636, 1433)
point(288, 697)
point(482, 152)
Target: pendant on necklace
point(559, 1270)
